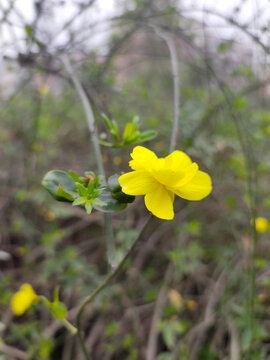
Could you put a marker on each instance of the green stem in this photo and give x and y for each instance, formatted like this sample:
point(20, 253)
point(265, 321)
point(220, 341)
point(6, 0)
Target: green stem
point(103, 285)
point(94, 136)
point(70, 327)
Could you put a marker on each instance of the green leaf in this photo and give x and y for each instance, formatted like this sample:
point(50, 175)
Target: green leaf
point(116, 190)
point(111, 204)
point(169, 335)
point(29, 30)
point(114, 131)
point(136, 121)
point(107, 122)
point(146, 136)
point(225, 46)
point(53, 179)
point(62, 193)
point(114, 183)
point(56, 294)
point(122, 197)
point(240, 103)
point(130, 133)
point(58, 310)
point(82, 191)
point(91, 186)
point(46, 301)
point(246, 338)
point(88, 208)
point(165, 356)
point(112, 126)
point(74, 176)
point(99, 202)
point(79, 201)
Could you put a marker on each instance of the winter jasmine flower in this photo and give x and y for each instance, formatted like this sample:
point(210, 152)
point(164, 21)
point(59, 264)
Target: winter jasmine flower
point(160, 179)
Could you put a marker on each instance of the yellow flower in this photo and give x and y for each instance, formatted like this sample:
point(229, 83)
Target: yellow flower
point(43, 89)
point(192, 305)
point(160, 179)
point(262, 224)
point(175, 298)
point(23, 299)
point(117, 160)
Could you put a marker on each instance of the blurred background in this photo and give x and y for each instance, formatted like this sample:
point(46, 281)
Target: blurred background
point(197, 287)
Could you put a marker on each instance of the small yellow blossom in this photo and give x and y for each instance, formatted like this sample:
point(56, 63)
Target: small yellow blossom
point(192, 305)
point(117, 160)
point(43, 89)
point(20, 251)
point(160, 179)
point(176, 299)
point(47, 214)
point(23, 299)
point(267, 129)
point(105, 158)
point(262, 224)
point(262, 297)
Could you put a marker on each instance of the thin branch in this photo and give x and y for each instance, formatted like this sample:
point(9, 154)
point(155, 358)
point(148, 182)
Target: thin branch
point(93, 132)
point(88, 113)
point(13, 352)
point(68, 24)
point(167, 37)
point(234, 342)
point(233, 22)
point(151, 351)
point(103, 285)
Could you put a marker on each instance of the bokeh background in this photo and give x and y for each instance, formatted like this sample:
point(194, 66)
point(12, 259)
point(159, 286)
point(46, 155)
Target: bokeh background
point(197, 287)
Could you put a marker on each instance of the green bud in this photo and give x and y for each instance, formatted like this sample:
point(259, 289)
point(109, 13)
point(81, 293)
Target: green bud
point(58, 310)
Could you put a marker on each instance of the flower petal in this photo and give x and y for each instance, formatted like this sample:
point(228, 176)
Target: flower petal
point(23, 299)
point(174, 179)
point(137, 183)
point(160, 203)
point(142, 158)
point(190, 172)
point(177, 160)
point(199, 187)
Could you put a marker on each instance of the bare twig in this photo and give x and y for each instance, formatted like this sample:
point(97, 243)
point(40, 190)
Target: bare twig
point(158, 311)
point(88, 113)
point(103, 285)
point(11, 351)
point(93, 132)
point(234, 343)
point(167, 37)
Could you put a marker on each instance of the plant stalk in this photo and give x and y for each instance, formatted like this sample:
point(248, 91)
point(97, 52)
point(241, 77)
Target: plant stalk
point(103, 285)
point(110, 243)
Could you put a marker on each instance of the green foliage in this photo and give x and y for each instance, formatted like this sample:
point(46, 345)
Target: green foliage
point(225, 46)
point(88, 191)
point(116, 190)
point(207, 354)
point(209, 243)
point(60, 185)
point(187, 259)
point(171, 329)
point(29, 30)
point(57, 308)
point(131, 135)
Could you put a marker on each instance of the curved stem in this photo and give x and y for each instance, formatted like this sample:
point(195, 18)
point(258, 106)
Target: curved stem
point(103, 285)
point(167, 37)
point(93, 132)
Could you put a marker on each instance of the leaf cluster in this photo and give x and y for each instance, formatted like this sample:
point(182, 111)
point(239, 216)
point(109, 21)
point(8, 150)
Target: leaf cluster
point(131, 134)
point(57, 308)
point(88, 190)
